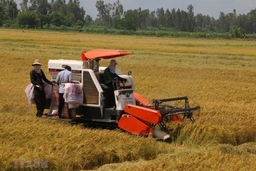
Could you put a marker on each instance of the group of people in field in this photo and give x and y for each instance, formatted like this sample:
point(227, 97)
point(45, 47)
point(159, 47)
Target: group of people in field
point(37, 78)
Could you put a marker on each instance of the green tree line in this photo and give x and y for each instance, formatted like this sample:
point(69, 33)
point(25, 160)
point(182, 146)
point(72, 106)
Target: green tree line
point(68, 14)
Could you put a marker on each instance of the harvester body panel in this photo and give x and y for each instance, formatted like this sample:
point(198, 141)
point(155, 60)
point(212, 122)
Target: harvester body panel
point(145, 114)
point(134, 125)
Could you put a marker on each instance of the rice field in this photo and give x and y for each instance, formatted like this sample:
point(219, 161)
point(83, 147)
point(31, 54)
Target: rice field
point(217, 74)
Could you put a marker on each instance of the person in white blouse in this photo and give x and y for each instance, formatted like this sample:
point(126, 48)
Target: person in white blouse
point(65, 76)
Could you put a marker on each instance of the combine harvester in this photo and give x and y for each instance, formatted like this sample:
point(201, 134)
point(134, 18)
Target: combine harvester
point(132, 113)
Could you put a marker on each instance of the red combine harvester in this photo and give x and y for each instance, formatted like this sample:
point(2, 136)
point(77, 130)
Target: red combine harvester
point(131, 113)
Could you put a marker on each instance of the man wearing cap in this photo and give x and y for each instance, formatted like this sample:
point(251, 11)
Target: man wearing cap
point(37, 77)
point(110, 77)
point(110, 73)
point(65, 76)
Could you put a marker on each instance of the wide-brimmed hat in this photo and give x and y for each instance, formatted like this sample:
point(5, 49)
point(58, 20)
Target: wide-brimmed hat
point(36, 62)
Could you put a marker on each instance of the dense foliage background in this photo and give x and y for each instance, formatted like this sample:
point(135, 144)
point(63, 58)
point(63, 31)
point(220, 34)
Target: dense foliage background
point(111, 18)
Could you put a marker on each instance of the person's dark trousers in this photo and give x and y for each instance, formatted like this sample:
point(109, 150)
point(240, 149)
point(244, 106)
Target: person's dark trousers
point(61, 104)
point(40, 101)
point(110, 97)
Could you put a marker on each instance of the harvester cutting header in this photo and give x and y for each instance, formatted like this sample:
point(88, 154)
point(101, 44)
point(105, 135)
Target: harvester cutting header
point(130, 111)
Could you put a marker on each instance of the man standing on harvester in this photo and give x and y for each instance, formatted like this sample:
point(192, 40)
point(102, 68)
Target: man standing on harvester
point(65, 76)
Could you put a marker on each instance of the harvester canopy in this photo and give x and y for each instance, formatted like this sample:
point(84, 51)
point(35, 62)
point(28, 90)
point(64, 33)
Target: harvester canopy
point(103, 53)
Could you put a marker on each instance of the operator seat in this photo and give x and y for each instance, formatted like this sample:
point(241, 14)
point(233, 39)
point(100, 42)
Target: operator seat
point(97, 74)
point(99, 77)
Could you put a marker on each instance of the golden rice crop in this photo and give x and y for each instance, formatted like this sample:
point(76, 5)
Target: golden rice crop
point(219, 75)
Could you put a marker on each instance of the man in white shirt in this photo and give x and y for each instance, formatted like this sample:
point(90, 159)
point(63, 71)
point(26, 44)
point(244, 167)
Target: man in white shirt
point(63, 77)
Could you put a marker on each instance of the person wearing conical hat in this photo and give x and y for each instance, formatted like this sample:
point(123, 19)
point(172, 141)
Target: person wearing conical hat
point(37, 78)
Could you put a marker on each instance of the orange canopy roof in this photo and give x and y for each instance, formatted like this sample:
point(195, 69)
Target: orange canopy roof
point(103, 53)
